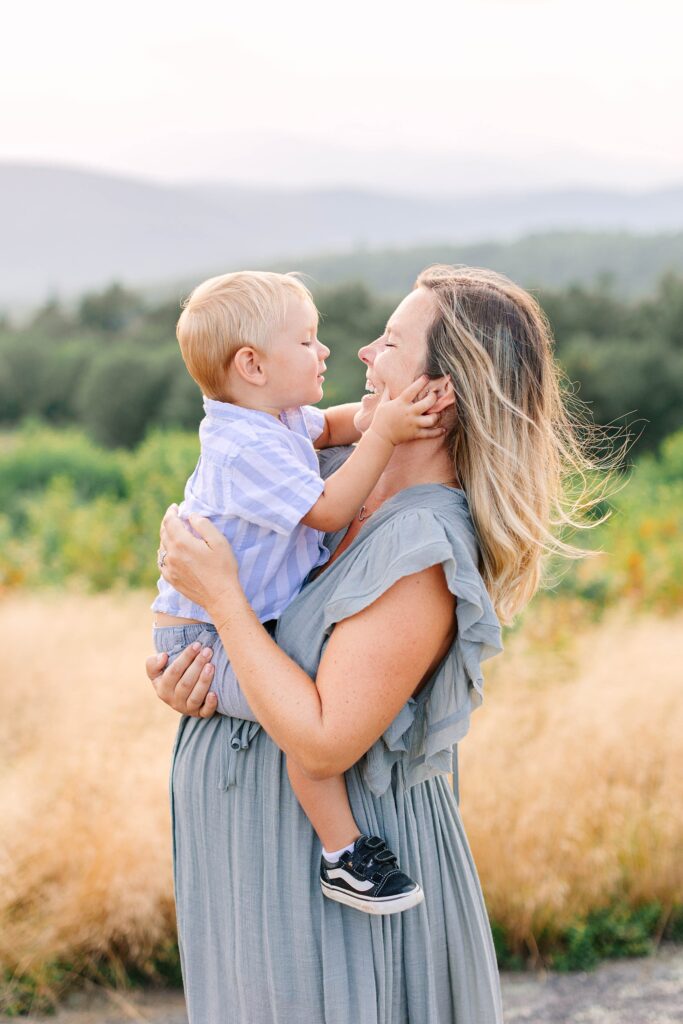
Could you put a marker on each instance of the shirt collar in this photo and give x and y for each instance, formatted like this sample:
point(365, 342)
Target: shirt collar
point(229, 412)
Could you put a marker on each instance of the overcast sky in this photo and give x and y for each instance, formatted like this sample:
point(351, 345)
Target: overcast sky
point(453, 96)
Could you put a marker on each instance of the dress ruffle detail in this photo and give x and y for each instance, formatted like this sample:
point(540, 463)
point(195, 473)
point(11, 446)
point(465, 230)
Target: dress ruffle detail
point(422, 737)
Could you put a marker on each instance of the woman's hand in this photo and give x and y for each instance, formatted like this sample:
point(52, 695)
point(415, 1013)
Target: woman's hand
point(184, 685)
point(201, 567)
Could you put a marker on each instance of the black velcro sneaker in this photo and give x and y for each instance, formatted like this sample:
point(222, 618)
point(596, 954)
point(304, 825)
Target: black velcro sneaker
point(369, 879)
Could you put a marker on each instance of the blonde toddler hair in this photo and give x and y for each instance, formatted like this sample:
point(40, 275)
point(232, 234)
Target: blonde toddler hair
point(227, 313)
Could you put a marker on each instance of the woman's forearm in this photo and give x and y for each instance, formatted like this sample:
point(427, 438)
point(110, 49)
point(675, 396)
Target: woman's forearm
point(283, 697)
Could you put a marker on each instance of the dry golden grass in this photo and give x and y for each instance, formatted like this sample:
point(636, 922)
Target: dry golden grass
point(572, 776)
point(85, 745)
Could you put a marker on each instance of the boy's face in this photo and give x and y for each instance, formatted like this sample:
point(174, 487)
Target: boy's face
point(295, 360)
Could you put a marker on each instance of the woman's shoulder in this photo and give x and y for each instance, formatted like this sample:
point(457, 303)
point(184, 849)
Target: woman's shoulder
point(421, 527)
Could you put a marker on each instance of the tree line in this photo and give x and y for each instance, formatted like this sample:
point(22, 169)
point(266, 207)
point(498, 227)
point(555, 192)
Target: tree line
point(111, 365)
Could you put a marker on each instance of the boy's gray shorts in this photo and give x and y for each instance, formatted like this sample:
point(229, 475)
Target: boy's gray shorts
point(172, 640)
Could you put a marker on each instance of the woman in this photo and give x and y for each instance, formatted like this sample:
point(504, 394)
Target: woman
point(375, 672)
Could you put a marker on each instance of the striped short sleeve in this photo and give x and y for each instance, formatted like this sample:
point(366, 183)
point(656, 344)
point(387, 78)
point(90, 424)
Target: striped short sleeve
point(314, 419)
point(271, 488)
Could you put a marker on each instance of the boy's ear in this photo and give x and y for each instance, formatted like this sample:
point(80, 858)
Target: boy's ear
point(248, 366)
point(445, 395)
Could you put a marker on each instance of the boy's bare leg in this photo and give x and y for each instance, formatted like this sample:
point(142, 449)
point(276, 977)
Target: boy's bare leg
point(326, 805)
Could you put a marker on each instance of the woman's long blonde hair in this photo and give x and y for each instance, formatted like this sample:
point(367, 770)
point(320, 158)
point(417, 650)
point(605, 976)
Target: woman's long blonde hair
point(520, 442)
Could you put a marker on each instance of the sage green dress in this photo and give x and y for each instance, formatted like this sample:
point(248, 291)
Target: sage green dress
point(259, 942)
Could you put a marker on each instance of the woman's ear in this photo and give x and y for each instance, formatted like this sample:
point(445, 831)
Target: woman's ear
point(445, 395)
point(249, 367)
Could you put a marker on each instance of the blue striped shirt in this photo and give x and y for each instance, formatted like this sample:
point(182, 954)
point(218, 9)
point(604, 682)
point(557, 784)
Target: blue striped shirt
point(256, 478)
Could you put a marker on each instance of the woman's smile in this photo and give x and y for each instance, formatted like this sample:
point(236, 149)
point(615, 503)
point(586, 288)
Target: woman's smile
point(398, 357)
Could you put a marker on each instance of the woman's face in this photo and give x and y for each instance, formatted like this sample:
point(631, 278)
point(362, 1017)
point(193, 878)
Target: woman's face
point(397, 358)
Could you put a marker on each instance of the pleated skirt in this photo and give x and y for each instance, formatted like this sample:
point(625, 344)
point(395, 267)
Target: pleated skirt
point(260, 944)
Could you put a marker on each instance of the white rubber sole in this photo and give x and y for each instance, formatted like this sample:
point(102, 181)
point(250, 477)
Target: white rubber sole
point(382, 905)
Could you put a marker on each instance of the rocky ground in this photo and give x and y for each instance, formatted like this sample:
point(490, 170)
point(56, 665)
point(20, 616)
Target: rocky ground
point(648, 991)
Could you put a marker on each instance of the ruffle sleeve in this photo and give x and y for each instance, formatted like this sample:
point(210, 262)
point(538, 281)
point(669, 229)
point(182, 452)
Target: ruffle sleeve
point(421, 738)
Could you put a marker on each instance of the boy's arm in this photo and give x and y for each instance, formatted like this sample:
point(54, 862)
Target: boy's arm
point(400, 419)
point(339, 428)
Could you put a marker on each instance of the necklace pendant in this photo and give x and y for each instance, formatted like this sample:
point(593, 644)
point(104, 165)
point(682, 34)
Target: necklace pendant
point(363, 514)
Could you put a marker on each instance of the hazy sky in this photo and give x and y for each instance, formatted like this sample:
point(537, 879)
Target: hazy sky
point(450, 96)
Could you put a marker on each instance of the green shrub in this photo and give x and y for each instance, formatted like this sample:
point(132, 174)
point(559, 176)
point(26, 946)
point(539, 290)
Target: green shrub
point(156, 477)
point(628, 382)
point(674, 926)
point(641, 542)
point(32, 457)
point(73, 511)
point(112, 310)
point(120, 389)
point(181, 405)
point(507, 959)
point(607, 934)
point(90, 543)
point(40, 990)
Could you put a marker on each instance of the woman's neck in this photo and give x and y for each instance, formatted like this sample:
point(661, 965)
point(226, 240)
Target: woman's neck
point(413, 463)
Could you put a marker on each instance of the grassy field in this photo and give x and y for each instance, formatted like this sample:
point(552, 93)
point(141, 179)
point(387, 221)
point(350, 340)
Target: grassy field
point(85, 857)
point(572, 775)
point(571, 785)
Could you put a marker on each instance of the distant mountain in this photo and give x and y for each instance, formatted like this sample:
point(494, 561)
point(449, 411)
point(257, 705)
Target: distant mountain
point(67, 230)
point(633, 264)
